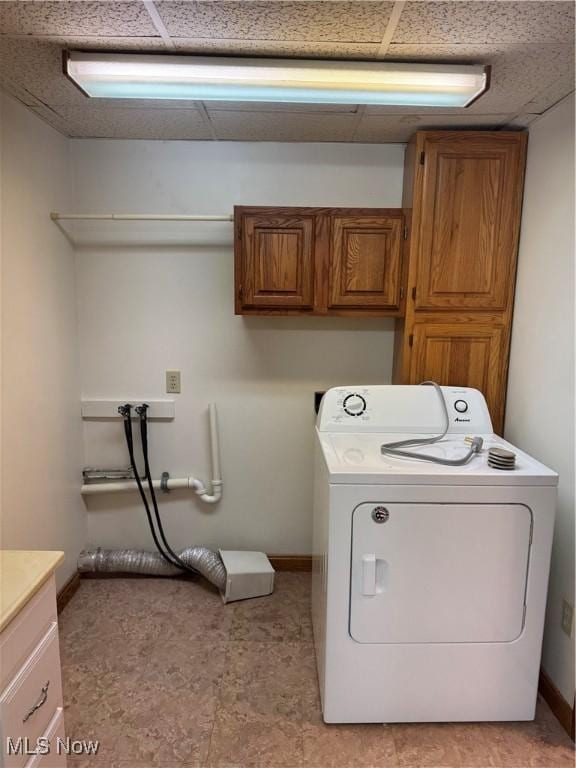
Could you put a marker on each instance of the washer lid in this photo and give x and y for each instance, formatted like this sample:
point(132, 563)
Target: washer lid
point(356, 458)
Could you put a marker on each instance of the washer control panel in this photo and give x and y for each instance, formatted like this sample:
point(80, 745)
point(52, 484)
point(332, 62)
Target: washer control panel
point(354, 404)
point(403, 408)
point(350, 406)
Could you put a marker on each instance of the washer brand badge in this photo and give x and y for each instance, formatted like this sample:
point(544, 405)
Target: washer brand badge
point(459, 419)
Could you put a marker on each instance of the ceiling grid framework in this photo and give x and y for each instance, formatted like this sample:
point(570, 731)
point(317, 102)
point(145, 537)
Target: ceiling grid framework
point(528, 44)
point(391, 27)
point(156, 19)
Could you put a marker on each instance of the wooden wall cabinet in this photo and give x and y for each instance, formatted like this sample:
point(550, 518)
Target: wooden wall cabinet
point(462, 199)
point(444, 265)
point(365, 262)
point(319, 261)
point(278, 260)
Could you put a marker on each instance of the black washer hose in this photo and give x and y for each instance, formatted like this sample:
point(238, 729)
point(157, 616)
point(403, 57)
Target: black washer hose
point(125, 412)
point(141, 410)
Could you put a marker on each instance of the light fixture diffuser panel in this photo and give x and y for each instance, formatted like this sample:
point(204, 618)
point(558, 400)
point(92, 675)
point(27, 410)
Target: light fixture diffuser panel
point(202, 78)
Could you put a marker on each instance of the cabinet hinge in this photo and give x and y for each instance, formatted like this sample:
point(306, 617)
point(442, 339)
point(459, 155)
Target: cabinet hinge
point(411, 340)
point(405, 232)
point(414, 293)
point(422, 157)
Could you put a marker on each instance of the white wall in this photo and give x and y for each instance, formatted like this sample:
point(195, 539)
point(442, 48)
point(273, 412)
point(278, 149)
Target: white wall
point(143, 310)
point(540, 410)
point(41, 431)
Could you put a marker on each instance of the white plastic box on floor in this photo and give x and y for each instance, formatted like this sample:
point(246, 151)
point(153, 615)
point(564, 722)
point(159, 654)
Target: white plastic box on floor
point(248, 574)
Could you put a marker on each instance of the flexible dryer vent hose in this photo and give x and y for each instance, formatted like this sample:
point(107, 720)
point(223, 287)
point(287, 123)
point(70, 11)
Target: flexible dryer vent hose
point(203, 560)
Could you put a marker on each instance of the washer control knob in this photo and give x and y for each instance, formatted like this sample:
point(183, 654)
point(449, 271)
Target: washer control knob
point(380, 514)
point(354, 405)
point(461, 406)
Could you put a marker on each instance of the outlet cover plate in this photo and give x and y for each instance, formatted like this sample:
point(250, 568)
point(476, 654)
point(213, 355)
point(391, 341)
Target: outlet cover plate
point(173, 382)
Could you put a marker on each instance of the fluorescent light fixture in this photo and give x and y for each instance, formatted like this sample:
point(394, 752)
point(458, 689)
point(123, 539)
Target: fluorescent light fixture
point(203, 78)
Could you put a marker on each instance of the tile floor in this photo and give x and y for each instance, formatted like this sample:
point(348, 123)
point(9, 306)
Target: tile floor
point(164, 675)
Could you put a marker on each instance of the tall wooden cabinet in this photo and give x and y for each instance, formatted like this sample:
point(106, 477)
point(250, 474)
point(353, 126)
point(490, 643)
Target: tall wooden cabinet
point(462, 199)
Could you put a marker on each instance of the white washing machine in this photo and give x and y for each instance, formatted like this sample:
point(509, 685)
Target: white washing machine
point(429, 581)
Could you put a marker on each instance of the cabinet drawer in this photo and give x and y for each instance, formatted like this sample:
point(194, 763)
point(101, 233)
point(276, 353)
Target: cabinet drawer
point(25, 631)
point(28, 704)
point(54, 732)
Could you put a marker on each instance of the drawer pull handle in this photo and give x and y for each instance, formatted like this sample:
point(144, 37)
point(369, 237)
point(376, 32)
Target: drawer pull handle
point(41, 701)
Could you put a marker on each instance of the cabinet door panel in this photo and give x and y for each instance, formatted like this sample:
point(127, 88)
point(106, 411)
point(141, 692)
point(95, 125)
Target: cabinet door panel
point(278, 261)
point(470, 213)
point(365, 262)
point(458, 354)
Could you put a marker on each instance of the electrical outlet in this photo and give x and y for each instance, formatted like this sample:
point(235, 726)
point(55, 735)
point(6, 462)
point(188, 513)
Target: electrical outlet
point(173, 382)
point(567, 617)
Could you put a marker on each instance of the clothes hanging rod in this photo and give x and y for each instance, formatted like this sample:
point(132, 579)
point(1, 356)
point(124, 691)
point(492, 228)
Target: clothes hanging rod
point(135, 217)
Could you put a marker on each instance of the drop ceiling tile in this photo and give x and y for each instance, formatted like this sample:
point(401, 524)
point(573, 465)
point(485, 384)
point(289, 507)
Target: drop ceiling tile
point(301, 48)
point(519, 73)
point(18, 92)
point(522, 121)
point(52, 118)
point(126, 123)
point(77, 17)
point(495, 21)
point(550, 95)
point(269, 126)
point(318, 21)
point(36, 67)
point(399, 128)
point(88, 43)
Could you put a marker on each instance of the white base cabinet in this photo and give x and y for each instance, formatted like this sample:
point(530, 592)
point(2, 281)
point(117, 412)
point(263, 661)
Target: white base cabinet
point(31, 707)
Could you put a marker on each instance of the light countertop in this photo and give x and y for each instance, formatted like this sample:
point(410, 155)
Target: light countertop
point(22, 573)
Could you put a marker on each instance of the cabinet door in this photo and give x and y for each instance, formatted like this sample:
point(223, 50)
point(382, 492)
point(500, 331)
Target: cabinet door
point(461, 354)
point(469, 217)
point(276, 261)
point(365, 262)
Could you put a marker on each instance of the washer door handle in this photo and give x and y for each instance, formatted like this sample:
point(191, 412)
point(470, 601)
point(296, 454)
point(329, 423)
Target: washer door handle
point(368, 574)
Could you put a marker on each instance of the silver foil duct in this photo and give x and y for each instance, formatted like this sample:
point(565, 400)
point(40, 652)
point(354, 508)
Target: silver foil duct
point(203, 560)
